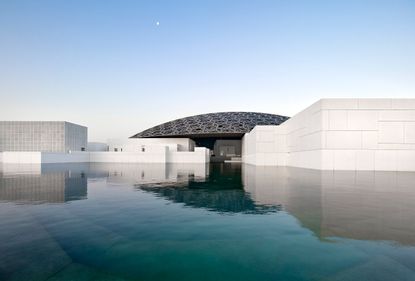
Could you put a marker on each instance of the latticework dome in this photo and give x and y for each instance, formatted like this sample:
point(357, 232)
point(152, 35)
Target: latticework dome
point(221, 124)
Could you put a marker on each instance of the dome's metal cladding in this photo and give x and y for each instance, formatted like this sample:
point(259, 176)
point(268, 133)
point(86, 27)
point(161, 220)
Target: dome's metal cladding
point(220, 124)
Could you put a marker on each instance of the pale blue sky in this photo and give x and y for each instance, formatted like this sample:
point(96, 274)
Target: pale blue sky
point(109, 66)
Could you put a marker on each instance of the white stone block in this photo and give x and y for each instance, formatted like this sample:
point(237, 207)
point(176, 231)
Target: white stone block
point(327, 160)
point(405, 160)
point(314, 122)
point(270, 159)
point(363, 119)
point(325, 119)
point(391, 132)
point(385, 160)
point(265, 147)
point(403, 103)
point(338, 120)
point(344, 160)
point(397, 146)
point(265, 136)
point(311, 141)
point(369, 139)
point(339, 104)
point(409, 132)
point(375, 103)
point(259, 159)
point(341, 134)
point(397, 115)
point(365, 160)
point(282, 159)
point(344, 140)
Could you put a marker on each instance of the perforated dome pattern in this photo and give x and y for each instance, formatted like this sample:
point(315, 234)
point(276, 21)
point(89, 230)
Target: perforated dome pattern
point(212, 125)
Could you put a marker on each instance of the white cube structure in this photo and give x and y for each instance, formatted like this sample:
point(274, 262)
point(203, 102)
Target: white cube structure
point(339, 134)
point(43, 136)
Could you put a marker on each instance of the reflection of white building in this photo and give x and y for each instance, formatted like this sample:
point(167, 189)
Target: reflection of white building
point(152, 173)
point(29, 186)
point(358, 205)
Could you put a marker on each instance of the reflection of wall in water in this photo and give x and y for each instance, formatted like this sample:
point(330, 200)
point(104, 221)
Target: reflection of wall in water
point(367, 205)
point(49, 187)
point(356, 205)
point(221, 191)
point(152, 173)
point(297, 190)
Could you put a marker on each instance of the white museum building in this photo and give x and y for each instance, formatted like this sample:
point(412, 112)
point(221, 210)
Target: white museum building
point(331, 134)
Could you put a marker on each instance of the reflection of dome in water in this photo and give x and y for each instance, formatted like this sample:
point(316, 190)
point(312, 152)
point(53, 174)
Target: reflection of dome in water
point(221, 192)
point(218, 200)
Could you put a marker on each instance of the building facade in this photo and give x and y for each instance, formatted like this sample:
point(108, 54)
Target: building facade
point(42, 136)
point(220, 132)
point(331, 134)
point(339, 134)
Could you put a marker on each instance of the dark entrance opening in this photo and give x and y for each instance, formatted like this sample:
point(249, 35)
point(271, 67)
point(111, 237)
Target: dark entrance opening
point(221, 148)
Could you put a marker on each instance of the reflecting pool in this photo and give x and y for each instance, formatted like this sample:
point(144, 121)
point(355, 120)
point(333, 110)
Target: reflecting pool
point(204, 222)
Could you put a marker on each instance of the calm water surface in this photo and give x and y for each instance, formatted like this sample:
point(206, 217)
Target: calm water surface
point(197, 222)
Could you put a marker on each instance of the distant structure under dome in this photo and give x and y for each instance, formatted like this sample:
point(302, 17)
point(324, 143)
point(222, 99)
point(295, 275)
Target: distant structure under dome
point(221, 132)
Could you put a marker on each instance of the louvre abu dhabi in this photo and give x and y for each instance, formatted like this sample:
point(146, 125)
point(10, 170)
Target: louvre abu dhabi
point(331, 134)
point(221, 124)
point(220, 132)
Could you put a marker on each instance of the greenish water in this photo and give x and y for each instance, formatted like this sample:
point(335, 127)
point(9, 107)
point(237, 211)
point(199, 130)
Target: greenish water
point(197, 222)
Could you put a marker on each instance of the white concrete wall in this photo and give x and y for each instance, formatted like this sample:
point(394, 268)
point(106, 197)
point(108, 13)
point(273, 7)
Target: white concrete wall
point(136, 144)
point(76, 137)
point(74, 157)
point(339, 134)
point(17, 157)
point(200, 155)
point(152, 154)
point(153, 173)
point(97, 146)
point(48, 136)
point(43, 157)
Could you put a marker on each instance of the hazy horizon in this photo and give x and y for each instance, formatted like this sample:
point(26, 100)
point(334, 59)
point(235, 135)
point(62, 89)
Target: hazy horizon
point(119, 67)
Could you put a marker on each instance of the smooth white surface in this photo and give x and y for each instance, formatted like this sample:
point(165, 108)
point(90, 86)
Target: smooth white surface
point(152, 154)
point(136, 144)
point(197, 156)
point(21, 157)
point(339, 134)
point(74, 157)
point(97, 146)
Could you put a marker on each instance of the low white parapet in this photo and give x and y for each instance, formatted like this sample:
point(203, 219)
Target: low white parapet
point(200, 155)
point(339, 134)
point(21, 157)
point(152, 154)
point(55, 157)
